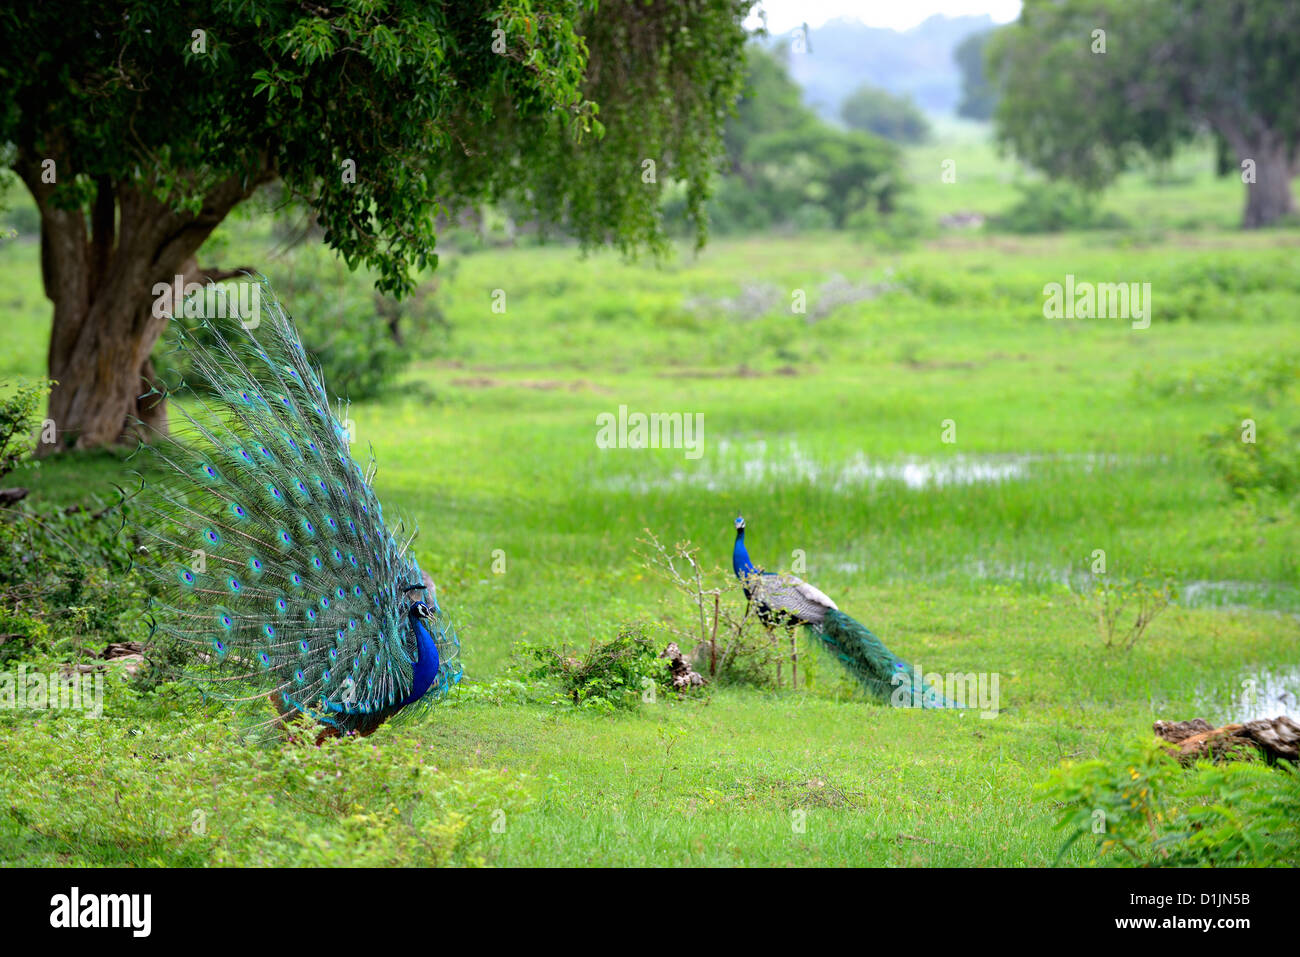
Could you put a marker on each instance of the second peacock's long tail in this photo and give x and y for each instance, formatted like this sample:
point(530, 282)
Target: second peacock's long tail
point(881, 672)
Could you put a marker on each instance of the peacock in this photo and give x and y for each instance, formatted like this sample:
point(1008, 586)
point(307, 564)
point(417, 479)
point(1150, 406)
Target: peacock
point(274, 572)
point(781, 599)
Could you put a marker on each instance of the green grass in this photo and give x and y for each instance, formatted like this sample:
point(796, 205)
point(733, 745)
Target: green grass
point(489, 442)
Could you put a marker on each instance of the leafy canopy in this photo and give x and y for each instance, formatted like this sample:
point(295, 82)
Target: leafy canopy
point(1079, 103)
point(434, 105)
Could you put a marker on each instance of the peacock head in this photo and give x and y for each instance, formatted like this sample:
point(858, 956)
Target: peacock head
point(740, 524)
point(418, 609)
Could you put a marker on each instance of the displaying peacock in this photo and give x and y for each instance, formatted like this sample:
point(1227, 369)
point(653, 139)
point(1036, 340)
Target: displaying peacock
point(781, 599)
point(275, 571)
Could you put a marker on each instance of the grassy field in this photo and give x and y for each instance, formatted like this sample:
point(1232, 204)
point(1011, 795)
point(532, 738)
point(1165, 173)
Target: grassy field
point(827, 430)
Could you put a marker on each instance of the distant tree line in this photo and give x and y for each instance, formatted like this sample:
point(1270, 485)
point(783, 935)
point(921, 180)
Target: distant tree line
point(786, 166)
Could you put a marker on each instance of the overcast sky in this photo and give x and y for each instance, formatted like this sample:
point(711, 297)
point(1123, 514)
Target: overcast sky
point(783, 15)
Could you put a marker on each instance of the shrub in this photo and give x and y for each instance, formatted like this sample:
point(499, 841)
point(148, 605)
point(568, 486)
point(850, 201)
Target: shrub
point(360, 339)
point(1268, 463)
point(1052, 208)
point(65, 574)
point(613, 674)
point(712, 617)
point(84, 791)
point(18, 412)
point(1123, 610)
point(1142, 808)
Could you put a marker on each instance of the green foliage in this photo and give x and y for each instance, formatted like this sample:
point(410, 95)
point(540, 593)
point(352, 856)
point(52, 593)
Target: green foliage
point(1256, 455)
point(1084, 86)
point(427, 104)
point(1048, 207)
point(66, 584)
point(788, 167)
point(360, 339)
point(19, 409)
point(1257, 452)
point(896, 118)
point(1142, 808)
point(978, 97)
point(90, 791)
point(613, 674)
point(64, 572)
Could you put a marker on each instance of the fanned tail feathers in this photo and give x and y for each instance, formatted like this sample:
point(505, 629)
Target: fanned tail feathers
point(273, 566)
point(882, 673)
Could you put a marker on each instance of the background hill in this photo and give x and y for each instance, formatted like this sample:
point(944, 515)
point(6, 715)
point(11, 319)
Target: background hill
point(844, 54)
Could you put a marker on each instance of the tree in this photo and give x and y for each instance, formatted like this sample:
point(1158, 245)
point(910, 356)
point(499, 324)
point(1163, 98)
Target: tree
point(977, 95)
point(878, 111)
point(139, 125)
point(1084, 85)
point(784, 159)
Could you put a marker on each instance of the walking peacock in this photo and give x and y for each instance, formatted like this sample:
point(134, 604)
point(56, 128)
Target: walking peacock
point(275, 571)
point(786, 600)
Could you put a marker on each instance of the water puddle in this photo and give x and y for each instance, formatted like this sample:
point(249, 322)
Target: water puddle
point(1262, 693)
point(1233, 595)
point(732, 464)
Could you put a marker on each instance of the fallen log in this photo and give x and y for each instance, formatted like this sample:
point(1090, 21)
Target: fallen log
point(1272, 738)
point(8, 496)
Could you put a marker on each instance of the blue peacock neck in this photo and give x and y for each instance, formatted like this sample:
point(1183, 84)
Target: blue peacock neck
point(740, 562)
point(425, 672)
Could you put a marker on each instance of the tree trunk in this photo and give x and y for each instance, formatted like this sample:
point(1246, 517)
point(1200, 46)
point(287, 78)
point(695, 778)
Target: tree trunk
point(101, 283)
point(1272, 164)
point(1269, 198)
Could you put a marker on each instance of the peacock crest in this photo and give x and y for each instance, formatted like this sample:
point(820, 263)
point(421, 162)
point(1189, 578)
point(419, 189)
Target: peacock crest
point(274, 570)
